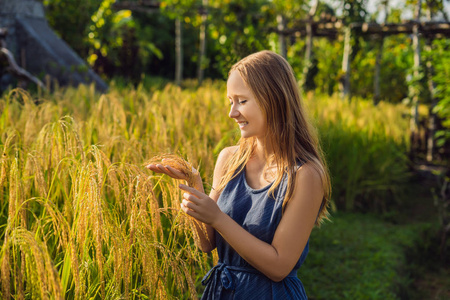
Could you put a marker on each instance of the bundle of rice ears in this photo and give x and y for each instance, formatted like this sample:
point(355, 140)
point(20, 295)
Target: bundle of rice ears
point(178, 163)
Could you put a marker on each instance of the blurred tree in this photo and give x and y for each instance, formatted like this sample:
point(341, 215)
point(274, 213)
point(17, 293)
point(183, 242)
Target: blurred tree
point(240, 28)
point(329, 60)
point(111, 41)
point(71, 20)
point(288, 14)
point(202, 41)
point(440, 56)
point(324, 58)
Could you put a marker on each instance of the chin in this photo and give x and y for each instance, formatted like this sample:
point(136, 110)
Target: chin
point(246, 135)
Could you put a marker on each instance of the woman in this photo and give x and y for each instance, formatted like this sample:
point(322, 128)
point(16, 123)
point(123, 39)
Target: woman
point(268, 192)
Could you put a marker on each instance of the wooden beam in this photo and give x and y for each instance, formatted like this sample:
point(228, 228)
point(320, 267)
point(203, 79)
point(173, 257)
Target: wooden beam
point(331, 29)
point(143, 6)
point(408, 28)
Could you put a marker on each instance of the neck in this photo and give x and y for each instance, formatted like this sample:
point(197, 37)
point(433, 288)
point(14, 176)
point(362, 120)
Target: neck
point(263, 149)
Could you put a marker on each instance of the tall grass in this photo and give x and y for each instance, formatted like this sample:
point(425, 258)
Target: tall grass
point(81, 218)
point(366, 147)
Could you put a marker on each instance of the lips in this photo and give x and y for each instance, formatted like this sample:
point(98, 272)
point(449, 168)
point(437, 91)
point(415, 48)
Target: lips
point(242, 123)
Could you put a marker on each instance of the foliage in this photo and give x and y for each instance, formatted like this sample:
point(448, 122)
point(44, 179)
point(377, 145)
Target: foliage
point(121, 43)
point(71, 20)
point(329, 60)
point(112, 42)
point(354, 11)
point(361, 256)
point(365, 146)
point(238, 32)
point(395, 60)
point(184, 9)
point(441, 63)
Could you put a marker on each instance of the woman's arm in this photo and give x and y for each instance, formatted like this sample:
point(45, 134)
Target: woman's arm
point(275, 260)
point(207, 241)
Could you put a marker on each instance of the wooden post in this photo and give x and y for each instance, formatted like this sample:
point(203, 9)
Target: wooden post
point(309, 41)
point(414, 122)
point(178, 52)
point(432, 120)
point(345, 80)
point(202, 45)
point(281, 38)
point(376, 81)
point(431, 143)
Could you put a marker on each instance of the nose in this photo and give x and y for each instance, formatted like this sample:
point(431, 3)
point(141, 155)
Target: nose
point(234, 112)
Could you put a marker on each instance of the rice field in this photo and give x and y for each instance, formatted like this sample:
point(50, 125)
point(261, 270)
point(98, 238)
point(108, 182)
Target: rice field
point(80, 216)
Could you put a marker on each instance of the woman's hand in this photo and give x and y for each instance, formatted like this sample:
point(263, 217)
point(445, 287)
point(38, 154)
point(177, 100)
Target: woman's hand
point(168, 170)
point(198, 205)
point(193, 179)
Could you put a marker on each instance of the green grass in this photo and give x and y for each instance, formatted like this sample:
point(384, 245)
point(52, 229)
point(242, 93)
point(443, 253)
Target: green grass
point(359, 256)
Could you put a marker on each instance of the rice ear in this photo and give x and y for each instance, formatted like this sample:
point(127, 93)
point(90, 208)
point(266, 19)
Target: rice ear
point(178, 163)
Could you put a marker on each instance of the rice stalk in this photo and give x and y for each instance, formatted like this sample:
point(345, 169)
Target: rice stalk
point(17, 205)
point(10, 137)
point(34, 167)
point(5, 269)
point(80, 179)
point(20, 278)
point(121, 263)
point(94, 199)
point(150, 266)
point(30, 128)
point(37, 255)
point(3, 174)
point(152, 207)
point(62, 229)
point(111, 177)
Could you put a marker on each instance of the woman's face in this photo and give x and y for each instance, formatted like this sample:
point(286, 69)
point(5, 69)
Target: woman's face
point(244, 108)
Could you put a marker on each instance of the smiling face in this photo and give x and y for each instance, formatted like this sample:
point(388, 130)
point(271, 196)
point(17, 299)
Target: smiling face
point(244, 108)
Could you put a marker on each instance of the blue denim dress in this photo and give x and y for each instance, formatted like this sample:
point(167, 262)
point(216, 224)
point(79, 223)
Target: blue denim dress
point(259, 214)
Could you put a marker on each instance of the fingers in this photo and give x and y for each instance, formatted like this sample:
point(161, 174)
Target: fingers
point(188, 204)
point(156, 168)
point(189, 211)
point(174, 173)
point(191, 190)
point(191, 198)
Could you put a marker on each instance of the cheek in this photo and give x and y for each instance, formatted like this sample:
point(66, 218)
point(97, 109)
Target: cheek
point(262, 119)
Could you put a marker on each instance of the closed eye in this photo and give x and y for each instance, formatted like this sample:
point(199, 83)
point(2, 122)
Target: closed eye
point(242, 102)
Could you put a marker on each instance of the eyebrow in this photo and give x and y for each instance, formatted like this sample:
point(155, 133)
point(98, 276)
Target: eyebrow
point(238, 96)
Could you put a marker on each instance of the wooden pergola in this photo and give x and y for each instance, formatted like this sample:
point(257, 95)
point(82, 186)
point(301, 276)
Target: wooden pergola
point(429, 30)
point(333, 29)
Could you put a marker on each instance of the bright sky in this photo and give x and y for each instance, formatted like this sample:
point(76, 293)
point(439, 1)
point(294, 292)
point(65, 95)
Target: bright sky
point(372, 6)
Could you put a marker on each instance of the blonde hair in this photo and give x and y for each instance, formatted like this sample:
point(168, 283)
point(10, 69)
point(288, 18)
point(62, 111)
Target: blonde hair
point(294, 140)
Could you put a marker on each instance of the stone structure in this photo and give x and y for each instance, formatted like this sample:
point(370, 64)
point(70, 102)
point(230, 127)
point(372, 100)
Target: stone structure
point(38, 49)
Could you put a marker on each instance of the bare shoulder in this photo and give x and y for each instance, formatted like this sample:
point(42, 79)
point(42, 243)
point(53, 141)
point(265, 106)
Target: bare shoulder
point(308, 173)
point(221, 168)
point(308, 181)
point(226, 154)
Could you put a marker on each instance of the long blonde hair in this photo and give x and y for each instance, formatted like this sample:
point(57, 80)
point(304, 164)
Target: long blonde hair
point(294, 140)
